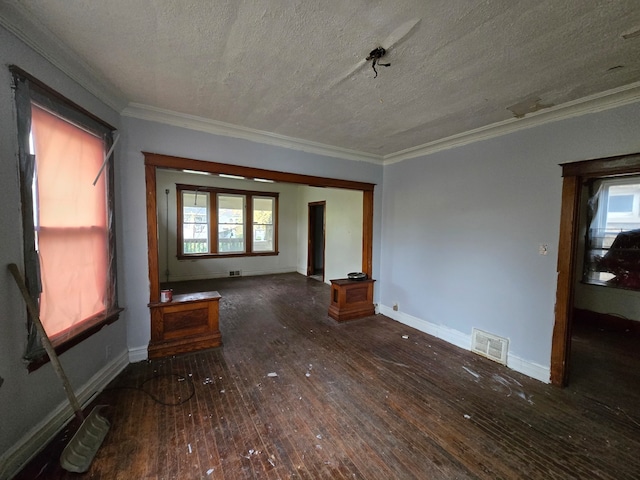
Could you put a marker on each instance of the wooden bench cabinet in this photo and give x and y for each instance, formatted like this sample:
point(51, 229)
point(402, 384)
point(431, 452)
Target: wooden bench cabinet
point(351, 299)
point(186, 324)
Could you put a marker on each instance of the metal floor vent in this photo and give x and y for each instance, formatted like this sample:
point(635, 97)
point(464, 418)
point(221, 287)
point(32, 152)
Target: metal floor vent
point(491, 346)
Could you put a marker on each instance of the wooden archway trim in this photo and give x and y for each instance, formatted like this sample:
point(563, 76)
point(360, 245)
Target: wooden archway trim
point(156, 160)
point(574, 174)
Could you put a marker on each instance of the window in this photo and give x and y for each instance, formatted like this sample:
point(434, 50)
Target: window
point(213, 222)
point(195, 224)
point(263, 208)
point(613, 237)
point(67, 219)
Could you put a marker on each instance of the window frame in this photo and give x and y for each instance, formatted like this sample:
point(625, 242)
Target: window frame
point(28, 91)
point(599, 189)
point(247, 224)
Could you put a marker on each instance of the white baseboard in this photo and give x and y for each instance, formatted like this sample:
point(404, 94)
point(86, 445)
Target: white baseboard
point(39, 436)
point(533, 370)
point(462, 340)
point(138, 354)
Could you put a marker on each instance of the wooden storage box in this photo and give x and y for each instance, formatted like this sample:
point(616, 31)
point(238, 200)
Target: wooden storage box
point(351, 299)
point(186, 324)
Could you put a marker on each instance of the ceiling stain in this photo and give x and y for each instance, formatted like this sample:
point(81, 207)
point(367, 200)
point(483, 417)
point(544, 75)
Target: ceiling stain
point(529, 105)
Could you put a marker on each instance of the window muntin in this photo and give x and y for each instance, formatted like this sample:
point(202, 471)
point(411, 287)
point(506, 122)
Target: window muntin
point(612, 254)
point(240, 222)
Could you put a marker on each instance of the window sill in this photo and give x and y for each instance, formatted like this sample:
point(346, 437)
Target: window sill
point(76, 335)
point(196, 256)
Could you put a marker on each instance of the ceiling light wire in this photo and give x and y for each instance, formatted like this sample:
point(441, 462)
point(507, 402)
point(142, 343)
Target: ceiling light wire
point(376, 54)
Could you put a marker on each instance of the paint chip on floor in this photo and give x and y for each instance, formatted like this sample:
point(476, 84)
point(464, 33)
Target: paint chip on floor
point(272, 374)
point(405, 336)
point(467, 416)
point(471, 372)
point(210, 471)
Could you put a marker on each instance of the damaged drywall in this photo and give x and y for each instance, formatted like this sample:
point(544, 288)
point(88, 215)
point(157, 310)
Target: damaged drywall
point(530, 105)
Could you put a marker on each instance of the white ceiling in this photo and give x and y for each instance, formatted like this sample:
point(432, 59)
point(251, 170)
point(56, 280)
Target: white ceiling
point(296, 69)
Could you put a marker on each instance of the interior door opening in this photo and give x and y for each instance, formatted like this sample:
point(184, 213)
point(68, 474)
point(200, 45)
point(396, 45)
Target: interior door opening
point(316, 240)
point(575, 174)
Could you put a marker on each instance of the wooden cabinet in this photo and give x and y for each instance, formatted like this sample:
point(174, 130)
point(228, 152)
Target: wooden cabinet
point(351, 299)
point(186, 324)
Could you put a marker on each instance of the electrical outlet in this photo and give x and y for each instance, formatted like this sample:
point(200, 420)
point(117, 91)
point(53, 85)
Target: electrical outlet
point(395, 307)
point(543, 249)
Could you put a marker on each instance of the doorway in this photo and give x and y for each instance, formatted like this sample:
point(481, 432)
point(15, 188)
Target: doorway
point(316, 240)
point(574, 175)
point(153, 161)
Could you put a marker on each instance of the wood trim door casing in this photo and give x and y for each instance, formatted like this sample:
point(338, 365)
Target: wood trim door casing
point(561, 341)
point(152, 233)
point(574, 174)
point(156, 160)
point(367, 232)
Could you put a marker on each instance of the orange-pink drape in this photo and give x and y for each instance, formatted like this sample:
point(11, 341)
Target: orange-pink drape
point(71, 223)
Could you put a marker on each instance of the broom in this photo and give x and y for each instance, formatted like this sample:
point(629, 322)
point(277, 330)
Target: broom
point(79, 452)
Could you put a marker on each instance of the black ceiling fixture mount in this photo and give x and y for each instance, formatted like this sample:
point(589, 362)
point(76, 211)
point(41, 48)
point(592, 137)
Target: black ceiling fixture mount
point(375, 55)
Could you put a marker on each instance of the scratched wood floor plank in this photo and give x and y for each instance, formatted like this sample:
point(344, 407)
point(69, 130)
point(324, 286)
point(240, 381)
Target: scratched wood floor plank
point(358, 401)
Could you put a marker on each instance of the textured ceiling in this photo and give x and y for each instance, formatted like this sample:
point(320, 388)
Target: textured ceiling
point(297, 68)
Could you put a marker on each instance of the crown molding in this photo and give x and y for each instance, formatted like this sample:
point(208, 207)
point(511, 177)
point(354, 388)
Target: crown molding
point(617, 97)
point(18, 21)
point(192, 122)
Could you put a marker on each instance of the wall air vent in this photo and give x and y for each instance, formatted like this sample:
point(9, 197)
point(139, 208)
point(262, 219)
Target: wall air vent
point(491, 346)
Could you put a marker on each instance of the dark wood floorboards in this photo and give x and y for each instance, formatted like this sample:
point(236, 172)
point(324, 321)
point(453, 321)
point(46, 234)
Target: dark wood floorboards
point(358, 401)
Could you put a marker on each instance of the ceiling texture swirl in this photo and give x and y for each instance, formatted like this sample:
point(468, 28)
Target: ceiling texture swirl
point(295, 73)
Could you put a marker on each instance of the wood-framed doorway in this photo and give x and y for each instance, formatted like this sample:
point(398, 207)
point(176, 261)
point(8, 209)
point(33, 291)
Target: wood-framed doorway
point(153, 161)
point(316, 234)
point(574, 175)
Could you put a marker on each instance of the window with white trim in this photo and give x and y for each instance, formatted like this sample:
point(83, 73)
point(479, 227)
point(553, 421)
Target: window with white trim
point(612, 254)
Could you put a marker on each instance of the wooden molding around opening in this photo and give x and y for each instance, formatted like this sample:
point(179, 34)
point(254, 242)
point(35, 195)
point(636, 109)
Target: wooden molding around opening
point(574, 175)
point(152, 161)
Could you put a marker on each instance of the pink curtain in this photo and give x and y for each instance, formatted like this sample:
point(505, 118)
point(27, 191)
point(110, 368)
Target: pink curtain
point(71, 224)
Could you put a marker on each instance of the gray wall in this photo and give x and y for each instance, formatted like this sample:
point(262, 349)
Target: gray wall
point(456, 236)
point(143, 135)
point(28, 401)
point(462, 227)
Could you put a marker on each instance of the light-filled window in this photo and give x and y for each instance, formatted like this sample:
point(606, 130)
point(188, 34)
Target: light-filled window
point(195, 222)
point(263, 223)
point(219, 222)
point(613, 235)
point(231, 223)
point(67, 215)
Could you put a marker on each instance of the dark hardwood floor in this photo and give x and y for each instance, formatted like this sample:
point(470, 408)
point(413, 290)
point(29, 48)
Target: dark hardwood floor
point(368, 399)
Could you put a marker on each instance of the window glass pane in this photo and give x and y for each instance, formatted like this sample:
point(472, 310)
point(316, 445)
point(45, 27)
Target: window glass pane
point(231, 223)
point(620, 203)
point(263, 208)
point(195, 222)
point(613, 243)
point(71, 222)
